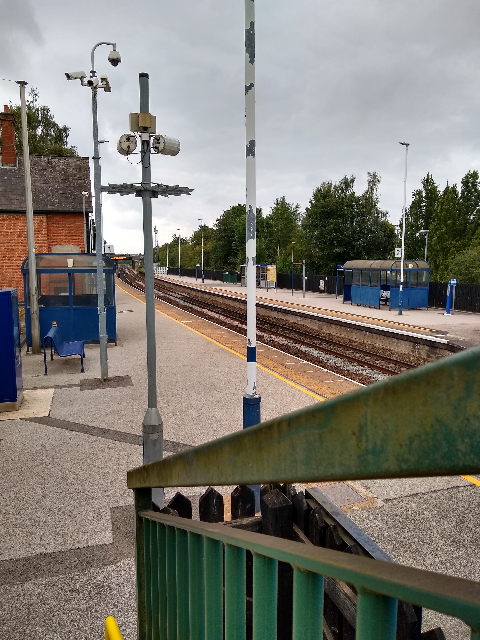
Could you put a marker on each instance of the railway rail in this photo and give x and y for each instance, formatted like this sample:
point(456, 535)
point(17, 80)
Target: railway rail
point(298, 333)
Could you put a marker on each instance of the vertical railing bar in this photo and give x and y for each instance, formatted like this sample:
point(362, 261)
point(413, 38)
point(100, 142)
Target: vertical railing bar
point(162, 580)
point(183, 614)
point(147, 527)
point(143, 502)
point(171, 556)
point(154, 580)
point(213, 589)
point(307, 605)
point(376, 617)
point(196, 586)
point(264, 597)
point(475, 636)
point(235, 593)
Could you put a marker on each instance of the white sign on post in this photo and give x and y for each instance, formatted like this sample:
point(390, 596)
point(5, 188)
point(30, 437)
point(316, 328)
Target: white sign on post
point(398, 252)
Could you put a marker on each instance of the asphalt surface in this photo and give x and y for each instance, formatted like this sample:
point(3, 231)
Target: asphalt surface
point(66, 559)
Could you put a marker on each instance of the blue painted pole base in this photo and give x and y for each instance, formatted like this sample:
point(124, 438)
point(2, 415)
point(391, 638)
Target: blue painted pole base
point(251, 417)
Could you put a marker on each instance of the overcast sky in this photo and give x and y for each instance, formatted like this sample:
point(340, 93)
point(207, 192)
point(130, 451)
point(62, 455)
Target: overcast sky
point(339, 84)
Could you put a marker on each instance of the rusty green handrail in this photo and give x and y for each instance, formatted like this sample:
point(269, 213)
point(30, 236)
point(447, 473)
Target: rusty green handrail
point(423, 423)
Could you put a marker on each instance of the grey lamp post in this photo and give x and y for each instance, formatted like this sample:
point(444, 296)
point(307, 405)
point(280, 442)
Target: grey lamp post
point(425, 232)
point(94, 83)
point(179, 272)
point(155, 231)
point(201, 220)
point(400, 293)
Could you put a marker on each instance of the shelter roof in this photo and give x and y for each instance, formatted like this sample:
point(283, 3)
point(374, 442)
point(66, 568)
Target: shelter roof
point(385, 265)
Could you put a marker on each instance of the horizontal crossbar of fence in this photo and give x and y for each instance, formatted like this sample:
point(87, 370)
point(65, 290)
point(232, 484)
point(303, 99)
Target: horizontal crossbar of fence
point(446, 594)
point(424, 422)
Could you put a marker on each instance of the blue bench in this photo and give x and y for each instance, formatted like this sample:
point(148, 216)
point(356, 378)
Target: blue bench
point(63, 349)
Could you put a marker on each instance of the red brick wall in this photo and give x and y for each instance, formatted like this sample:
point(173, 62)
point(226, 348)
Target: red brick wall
point(8, 137)
point(50, 229)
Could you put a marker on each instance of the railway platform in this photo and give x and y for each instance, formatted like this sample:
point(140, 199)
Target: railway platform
point(67, 554)
point(462, 328)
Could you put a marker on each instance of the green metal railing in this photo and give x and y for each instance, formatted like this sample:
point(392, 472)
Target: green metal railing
point(191, 575)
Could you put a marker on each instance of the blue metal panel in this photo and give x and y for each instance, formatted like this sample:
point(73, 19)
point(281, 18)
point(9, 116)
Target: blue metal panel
point(347, 292)
point(11, 381)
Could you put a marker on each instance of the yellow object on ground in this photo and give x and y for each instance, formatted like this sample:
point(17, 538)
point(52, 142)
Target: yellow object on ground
point(112, 632)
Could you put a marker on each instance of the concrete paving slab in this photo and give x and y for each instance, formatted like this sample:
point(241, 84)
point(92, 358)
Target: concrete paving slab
point(57, 488)
point(36, 403)
point(72, 606)
point(402, 487)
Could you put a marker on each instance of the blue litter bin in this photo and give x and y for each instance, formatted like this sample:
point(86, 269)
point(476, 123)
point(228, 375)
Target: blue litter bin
point(11, 381)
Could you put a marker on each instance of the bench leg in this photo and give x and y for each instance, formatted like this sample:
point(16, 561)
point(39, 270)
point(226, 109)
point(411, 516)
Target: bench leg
point(51, 352)
point(45, 359)
point(81, 370)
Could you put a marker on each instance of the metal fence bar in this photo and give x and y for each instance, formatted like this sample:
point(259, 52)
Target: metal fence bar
point(235, 622)
point(376, 617)
point(183, 617)
point(264, 597)
point(154, 581)
point(443, 412)
point(162, 580)
point(143, 500)
point(213, 589)
point(307, 605)
point(148, 576)
point(171, 553)
point(196, 586)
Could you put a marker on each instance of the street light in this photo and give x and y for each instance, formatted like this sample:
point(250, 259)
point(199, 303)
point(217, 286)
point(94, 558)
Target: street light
point(293, 243)
point(201, 220)
point(400, 294)
point(95, 83)
point(179, 272)
point(424, 232)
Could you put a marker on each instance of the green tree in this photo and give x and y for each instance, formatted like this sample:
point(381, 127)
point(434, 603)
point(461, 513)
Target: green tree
point(448, 234)
point(229, 238)
point(339, 225)
point(281, 228)
point(45, 136)
point(465, 266)
point(420, 215)
point(470, 204)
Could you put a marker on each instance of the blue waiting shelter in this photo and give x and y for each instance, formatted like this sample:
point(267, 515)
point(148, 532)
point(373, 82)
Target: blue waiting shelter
point(370, 282)
point(67, 295)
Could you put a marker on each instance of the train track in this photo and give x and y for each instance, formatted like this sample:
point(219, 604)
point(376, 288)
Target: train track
point(355, 362)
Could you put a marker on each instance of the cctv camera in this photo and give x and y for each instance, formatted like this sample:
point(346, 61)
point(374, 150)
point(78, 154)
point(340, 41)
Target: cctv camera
point(114, 58)
point(92, 82)
point(105, 84)
point(76, 75)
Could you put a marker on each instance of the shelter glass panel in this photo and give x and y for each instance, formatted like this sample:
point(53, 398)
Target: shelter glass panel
point(348, 276)
point(422, 278)
point(84, 287)
point(365, 278)
point(356, 278)
point(395, 279)
point(53, 290)
point(374, 278)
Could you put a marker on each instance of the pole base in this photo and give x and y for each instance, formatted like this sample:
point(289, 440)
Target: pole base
point(251, 417)
point(152, 433)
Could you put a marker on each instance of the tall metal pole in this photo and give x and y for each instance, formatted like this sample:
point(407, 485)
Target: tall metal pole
point(152, 422)
point(179, 272)
point(293, 244)
point(400, 293)
point(251, 399)
point(167, 257)
point(32, 265)
point(426, 246)
point(201, 221)
point(97, 183)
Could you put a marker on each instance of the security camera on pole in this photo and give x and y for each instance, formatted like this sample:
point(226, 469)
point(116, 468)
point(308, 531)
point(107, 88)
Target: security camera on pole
point(95, 84)
point(143, 124)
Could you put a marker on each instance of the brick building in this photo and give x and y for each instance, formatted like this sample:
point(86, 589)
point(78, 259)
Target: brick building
point(57, 185)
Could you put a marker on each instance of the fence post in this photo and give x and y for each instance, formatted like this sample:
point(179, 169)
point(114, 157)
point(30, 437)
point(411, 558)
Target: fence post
point(143, 502)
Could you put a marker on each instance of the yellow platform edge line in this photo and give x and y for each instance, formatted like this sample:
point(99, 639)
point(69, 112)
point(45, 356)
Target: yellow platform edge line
point(235, 353)
point(472, 480)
